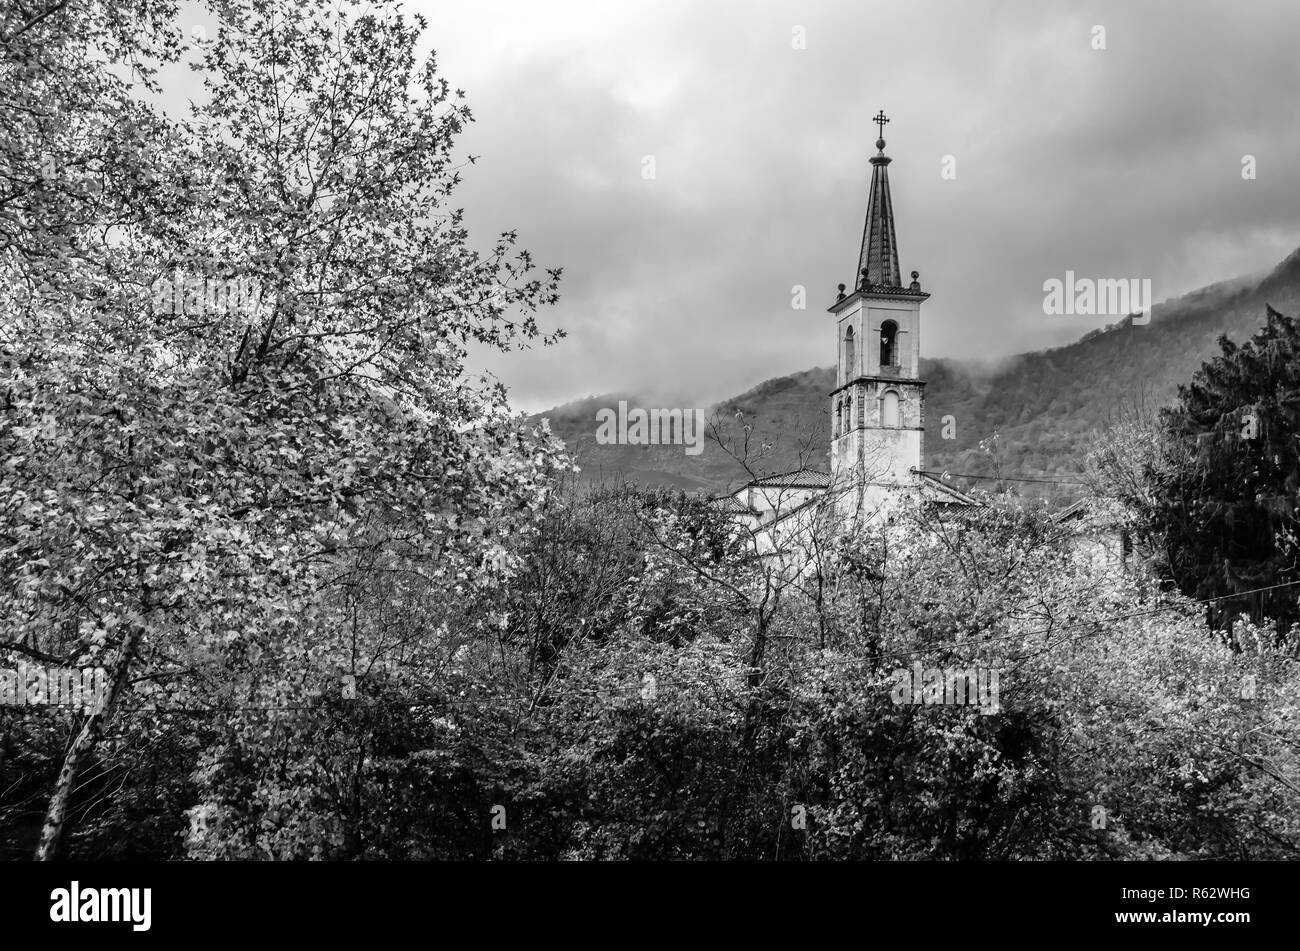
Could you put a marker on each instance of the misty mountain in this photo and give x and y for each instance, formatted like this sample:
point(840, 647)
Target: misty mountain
point(1044, 408)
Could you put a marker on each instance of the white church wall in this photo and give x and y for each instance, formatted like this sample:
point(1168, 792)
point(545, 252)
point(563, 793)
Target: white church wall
point(850, 317)
point(776, 500)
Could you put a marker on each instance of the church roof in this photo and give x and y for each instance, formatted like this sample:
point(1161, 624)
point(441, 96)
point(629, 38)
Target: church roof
point(804, 478)
point(732, 505)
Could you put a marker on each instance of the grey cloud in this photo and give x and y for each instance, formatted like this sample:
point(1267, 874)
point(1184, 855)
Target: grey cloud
point(1121, 162)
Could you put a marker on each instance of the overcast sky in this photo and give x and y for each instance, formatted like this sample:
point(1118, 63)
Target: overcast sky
point(1117, 163)
point(1123, 162)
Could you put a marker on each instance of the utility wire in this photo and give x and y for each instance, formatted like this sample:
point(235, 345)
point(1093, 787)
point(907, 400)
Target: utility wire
point(1003, 478)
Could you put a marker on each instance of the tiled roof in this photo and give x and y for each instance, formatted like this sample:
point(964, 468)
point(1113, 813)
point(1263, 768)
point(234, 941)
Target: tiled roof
point(731, 504)
point(804, 478)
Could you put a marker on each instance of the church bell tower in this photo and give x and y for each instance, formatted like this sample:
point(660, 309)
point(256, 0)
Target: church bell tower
point(878, 404)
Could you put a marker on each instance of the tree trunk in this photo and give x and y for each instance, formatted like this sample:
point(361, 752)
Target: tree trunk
point(91, 731)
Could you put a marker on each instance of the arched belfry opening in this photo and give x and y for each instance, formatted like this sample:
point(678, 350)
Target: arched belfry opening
point(889, 344)
point(849, 354)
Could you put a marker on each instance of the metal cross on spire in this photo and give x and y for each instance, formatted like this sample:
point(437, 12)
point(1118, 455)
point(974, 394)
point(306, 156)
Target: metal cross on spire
point(881, 120)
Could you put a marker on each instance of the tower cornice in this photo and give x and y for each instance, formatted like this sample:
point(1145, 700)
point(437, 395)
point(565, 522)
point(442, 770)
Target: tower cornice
point(886, 380)
point(879, 292)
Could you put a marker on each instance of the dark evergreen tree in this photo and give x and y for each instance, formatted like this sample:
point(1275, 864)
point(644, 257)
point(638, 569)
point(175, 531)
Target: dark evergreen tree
point(1226, 500)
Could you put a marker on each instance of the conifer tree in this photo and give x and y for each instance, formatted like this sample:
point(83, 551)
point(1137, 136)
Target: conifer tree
point(1226, 499)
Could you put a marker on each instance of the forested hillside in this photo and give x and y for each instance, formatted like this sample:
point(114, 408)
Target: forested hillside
point(1044, 408)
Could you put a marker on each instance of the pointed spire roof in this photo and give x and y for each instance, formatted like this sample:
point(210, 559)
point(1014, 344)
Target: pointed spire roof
point(878, 262)
point(878, 272)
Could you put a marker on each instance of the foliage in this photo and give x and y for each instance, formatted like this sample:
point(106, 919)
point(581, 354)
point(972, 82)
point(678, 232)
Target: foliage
point(1225, 489)
point(353, 611)
point(1111, 696)
point(198, 485)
